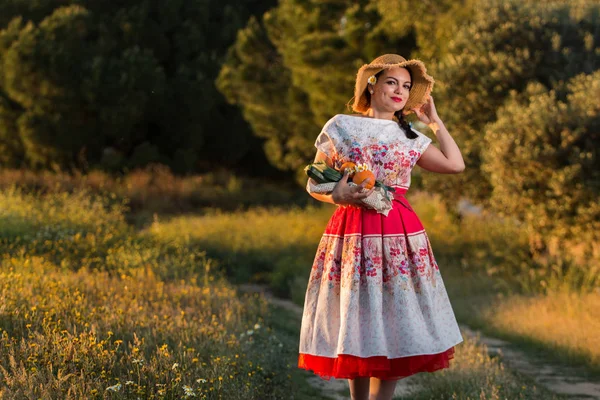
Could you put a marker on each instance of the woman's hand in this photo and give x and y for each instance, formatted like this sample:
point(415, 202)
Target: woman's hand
point(427, 113)
point(345, 194)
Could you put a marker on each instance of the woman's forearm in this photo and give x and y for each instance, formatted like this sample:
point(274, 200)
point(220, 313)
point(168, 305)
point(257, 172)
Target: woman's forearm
point(326, 198)
point(447, 144)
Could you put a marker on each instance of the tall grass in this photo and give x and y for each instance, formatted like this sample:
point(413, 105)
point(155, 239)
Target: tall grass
point(271, 245)
point(474, 375)
point(92, 310)
point(499, 248)
point(484, 260)
point(496, 286)
point(566, 322)
point(155, 189)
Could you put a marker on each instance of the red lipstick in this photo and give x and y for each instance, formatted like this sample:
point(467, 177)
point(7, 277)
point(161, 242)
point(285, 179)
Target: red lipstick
point(397, 99)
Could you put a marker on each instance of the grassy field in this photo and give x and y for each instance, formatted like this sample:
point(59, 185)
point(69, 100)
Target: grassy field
point(155, 189)
point(485, 262)
point(262, 245)
point(94, 308)
point(476, 376)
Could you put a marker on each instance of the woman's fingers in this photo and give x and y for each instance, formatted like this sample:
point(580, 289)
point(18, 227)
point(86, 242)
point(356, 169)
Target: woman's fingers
point(354, 194)
point(344, 180)
point(368, 192)
point(365, 182)
point(340, 191)
point(360, 194)
point(361, 186)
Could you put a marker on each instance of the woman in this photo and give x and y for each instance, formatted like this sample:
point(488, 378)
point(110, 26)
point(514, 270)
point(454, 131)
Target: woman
point(376, 308)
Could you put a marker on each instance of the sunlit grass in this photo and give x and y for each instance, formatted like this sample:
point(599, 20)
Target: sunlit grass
point(474, 375)
point(83, 332)
point(480, 258)
point(271, 245)
point(568, 323)
point(33, 217)
point(494, 285)
point(90, 309)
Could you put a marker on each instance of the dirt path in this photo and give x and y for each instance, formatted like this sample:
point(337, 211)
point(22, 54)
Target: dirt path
point(559, 379)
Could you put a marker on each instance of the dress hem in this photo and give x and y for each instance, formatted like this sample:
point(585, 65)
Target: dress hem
point(346, 366)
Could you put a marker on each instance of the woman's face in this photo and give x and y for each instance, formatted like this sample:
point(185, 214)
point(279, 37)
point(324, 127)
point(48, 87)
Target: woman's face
point(390, 92)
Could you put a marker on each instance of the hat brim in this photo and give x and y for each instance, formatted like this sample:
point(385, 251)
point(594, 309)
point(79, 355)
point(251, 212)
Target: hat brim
point(422, 84)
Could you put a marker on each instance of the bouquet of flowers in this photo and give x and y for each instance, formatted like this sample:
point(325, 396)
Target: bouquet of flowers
point(326, 178)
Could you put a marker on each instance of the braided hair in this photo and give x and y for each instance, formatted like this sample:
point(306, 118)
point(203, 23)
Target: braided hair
point(404, 124)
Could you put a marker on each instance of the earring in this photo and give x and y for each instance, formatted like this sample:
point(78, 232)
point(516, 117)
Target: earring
point(371, 91)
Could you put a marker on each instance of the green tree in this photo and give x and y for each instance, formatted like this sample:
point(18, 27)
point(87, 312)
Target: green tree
point(505, 46)
point(433, 24)
point(294, 69)
point(255, 79)
point(136, 78)
point(542, 159)
point(58, 79)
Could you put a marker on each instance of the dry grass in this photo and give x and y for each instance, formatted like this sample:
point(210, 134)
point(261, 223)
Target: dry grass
point(481, 258)
point(474, 375)
point(155, 189)
point(91, 310)
point(564, 322)
point(271, 245)
point(74, 335)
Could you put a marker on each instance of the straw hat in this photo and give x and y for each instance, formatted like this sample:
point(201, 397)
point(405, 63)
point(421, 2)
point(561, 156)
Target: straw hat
point(421, 82)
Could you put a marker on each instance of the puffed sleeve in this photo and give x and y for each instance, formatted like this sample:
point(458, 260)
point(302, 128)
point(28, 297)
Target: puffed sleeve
point(420, 143)
point(328, 139)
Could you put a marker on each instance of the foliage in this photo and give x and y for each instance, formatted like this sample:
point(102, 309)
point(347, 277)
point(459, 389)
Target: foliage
point(504, 46)
point(542, 158)
point(254, 78)
point(118, 85)
point(432, 24)
point(90, 309)
point(155, 189)
point(294, 69)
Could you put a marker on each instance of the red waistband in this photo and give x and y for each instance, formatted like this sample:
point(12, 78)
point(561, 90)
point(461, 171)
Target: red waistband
point(399, 190)
point(400, 198)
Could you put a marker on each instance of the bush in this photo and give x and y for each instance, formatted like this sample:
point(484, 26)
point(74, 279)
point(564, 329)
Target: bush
point(543, 162)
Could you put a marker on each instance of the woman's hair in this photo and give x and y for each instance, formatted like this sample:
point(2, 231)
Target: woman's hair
point(398, 114)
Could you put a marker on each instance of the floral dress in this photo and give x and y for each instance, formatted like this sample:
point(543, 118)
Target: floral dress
point(375, 305)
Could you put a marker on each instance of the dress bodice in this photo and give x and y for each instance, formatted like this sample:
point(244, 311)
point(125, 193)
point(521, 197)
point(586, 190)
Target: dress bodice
point(379, 143)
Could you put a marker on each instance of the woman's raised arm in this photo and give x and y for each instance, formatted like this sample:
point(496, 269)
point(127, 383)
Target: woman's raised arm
point(447, 159)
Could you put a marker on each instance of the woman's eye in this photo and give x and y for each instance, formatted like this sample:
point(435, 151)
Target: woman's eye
point(391, 83)
point(407, 87)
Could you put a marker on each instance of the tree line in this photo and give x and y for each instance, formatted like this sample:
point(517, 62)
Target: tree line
point(117, 85)
point(197, 84)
